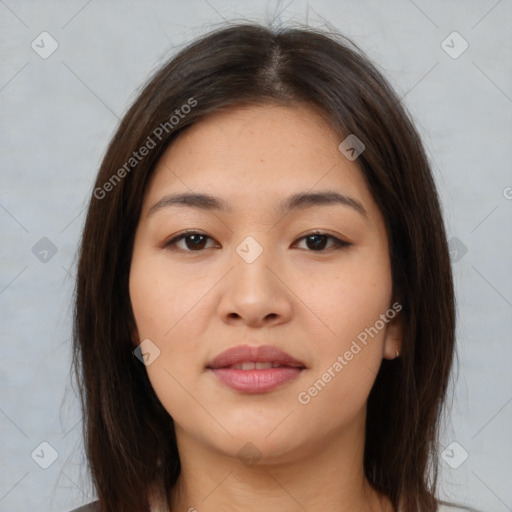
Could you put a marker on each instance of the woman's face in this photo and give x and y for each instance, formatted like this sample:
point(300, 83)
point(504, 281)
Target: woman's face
point(255, 273)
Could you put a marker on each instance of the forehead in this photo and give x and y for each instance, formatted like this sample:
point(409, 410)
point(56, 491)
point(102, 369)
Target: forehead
point(256, 155)
point(257, 134)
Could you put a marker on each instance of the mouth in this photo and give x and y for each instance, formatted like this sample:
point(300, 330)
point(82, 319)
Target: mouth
point(255, 369)
point(253, 365)
point(245, 357)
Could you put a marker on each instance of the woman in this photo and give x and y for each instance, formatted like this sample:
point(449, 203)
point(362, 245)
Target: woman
point(264, 305)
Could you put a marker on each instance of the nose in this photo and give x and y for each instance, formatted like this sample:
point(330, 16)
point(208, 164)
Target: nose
point(255, 294)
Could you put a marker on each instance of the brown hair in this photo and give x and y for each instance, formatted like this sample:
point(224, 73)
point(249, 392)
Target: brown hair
point(126, 428)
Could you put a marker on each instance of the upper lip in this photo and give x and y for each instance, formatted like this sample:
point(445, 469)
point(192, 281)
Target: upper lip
point(258, 354)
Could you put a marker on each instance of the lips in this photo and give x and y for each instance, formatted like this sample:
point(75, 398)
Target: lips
point(245, 357)
point(255, 370)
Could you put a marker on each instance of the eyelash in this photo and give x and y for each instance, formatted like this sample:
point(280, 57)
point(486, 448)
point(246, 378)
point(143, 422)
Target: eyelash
point(171, 243)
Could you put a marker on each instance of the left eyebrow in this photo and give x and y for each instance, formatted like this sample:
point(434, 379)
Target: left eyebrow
point(298, 201)
point(325, 198)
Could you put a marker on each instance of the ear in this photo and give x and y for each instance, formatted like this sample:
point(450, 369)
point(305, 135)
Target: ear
point(393, 339)
point(135, 334)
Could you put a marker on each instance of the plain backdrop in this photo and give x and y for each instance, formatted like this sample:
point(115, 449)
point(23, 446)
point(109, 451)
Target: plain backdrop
point(59, 111)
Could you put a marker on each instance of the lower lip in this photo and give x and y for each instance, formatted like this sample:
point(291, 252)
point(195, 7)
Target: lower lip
point(256, 381)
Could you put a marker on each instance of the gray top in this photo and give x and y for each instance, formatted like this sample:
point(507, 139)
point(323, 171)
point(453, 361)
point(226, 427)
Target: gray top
point(93, 507)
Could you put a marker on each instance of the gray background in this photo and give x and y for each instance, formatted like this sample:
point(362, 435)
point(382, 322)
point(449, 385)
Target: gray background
point(58, 114)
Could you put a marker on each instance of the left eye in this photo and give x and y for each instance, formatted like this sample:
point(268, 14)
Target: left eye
point(319, 240)
point(196, 241)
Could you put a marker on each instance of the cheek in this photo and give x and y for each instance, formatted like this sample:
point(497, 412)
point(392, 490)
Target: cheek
point(349, 345)
point(163, 302)
point(170, 307)
point(348, 355)
point(348, 298)
point(162, 296)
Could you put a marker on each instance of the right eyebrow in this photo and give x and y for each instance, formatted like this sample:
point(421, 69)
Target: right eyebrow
point(201, 201)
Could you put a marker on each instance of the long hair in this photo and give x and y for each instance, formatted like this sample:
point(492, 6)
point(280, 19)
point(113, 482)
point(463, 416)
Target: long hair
point(129, 436)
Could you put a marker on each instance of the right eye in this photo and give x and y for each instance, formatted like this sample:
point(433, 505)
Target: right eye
point(195, 241)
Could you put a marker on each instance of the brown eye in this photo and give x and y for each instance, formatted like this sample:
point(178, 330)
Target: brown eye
point(193, 242)
point(316, 242)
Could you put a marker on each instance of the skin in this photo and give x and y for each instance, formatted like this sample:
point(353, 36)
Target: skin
point(193, 304)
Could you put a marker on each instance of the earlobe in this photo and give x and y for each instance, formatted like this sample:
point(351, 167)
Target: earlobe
point(394, 338)
point(135, 334)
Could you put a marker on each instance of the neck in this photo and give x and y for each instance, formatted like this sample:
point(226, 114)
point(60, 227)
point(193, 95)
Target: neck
point(328, 477)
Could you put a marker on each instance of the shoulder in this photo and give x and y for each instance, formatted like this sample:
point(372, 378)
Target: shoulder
point(90, 507)
point(454, 507)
